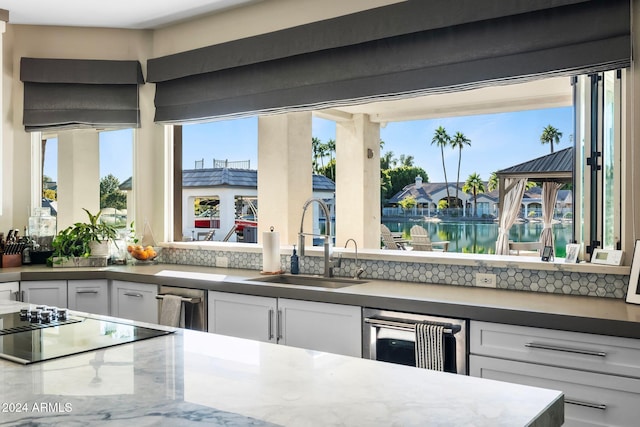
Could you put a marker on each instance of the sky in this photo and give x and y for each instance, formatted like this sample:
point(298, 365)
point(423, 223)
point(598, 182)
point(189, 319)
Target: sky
point(498, 141)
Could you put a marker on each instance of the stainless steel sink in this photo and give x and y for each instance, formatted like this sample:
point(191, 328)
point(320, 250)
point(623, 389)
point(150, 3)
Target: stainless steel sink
point(317, 281)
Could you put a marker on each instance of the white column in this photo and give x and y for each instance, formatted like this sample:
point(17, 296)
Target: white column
point(284, 174)
point(152, 168)
point(227, 214)
point(78, 176)
point(358, 182)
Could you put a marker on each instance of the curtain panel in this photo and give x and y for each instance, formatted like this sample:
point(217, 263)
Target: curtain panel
point(76, 93)
point(406, 49)
point(549, 197)
point(509, 209)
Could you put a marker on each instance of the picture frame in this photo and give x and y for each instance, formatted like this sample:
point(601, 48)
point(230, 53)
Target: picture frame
point(633, 291)
point(573, 250)
point(547, 253)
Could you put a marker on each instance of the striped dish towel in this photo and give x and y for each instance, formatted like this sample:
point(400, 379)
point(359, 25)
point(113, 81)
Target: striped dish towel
point(429, 346)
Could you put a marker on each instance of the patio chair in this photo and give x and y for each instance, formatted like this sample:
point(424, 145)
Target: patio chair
point(420, 241)
point(389, 241)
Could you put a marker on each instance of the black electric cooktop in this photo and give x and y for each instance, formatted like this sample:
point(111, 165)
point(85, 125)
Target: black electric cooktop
point(27, 340)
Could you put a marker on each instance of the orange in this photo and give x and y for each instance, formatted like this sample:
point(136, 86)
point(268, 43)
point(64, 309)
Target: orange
point(140, 254)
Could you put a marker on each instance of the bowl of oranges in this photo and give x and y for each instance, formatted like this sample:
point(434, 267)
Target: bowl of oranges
point(143, 254)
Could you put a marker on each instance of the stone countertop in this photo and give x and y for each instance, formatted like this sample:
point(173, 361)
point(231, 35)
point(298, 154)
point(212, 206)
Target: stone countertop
point(194, 377)
point(604, 316)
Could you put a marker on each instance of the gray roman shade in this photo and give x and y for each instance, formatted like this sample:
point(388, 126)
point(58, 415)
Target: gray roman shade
point(78, 93)
point(404, 49)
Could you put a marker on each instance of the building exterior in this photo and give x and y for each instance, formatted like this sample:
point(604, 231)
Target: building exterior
point(224, 189)
point(429, 194)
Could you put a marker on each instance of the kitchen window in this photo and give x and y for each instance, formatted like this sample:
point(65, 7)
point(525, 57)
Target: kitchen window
point(115, 151)
point(598, 113)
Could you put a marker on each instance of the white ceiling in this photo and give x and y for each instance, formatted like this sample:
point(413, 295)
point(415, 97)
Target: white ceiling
point(533, 95)
point(131, 14)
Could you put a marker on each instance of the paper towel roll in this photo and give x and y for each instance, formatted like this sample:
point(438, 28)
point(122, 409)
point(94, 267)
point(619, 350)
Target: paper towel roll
point(271, 252)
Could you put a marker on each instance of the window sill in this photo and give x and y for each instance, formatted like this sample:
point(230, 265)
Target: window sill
point(451, 258)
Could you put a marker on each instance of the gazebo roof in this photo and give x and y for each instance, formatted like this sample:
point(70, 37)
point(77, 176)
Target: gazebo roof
point(557, 167)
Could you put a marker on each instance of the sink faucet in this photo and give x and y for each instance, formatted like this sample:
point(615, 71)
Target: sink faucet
point(359, 270)
point(328, 252)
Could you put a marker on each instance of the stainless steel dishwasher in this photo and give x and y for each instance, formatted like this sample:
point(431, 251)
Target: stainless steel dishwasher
point(194, 305)
point(390, 336)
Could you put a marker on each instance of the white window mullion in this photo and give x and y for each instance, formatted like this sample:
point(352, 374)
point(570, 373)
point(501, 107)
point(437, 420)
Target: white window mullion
point(36, 171)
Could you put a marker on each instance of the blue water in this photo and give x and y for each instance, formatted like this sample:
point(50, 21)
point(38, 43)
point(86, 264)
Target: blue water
point(480, 237)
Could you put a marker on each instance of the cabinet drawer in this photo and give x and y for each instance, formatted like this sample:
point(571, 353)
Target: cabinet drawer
point(135, 301)
point(591, 399)
point(599, 353)
point(91, 296)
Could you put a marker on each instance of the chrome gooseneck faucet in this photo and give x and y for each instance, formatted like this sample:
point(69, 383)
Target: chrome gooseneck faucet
point(359, 270)
point(328, 252)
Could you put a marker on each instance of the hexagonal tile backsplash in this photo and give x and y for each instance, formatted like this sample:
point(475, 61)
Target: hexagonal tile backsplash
point(570, 283)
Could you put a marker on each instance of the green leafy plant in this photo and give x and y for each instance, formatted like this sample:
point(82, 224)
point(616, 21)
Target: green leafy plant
point(99, 231)
point(75, 240)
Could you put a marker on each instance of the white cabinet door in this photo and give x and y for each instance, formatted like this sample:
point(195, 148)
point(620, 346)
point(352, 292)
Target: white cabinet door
point(90, 296)
point(591, 399)
point(333, 328)
point(45, 292)
point(8, 290)
point(135, 301)
point(318, 326)
point(243, 316)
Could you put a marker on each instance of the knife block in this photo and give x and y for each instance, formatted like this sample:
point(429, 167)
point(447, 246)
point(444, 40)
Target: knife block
point(13, 260)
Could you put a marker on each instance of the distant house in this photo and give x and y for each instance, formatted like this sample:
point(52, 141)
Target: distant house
point(222, 192)
point(429, 194)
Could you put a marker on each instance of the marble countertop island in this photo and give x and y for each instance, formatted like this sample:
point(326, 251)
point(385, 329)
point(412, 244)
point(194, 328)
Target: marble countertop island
point(196, 378)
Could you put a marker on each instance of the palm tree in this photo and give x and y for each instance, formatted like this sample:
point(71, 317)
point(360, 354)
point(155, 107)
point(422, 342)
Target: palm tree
point(406, 159)
point(315, 148)
point(474, 185)
point(323, 150)
point(550, 135)
point(331, 148)
point(387, 161)
point(459, 141)
point(442, 139)
point(494, 182)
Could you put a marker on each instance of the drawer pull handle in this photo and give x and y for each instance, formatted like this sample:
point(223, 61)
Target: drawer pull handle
point(86, 292)
point(566, 349)
point(600, 406)
point(270, 324)
point(133, 294)
point(279, 325)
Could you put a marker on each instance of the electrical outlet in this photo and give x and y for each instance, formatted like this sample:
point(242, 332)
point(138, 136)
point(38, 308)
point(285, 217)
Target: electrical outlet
point(222, 261)
point(486, 280)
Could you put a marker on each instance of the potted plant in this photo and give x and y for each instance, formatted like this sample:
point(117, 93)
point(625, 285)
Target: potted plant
point(100, 234)
point(81, 241)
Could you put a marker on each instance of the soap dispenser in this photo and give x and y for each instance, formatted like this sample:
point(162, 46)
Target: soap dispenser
point(295, 268)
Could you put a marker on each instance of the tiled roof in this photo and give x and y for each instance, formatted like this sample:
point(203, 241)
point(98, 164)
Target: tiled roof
point(224, 177)
point(425, 192)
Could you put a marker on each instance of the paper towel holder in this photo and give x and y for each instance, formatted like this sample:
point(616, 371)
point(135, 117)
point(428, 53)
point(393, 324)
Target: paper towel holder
point(269, 269)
